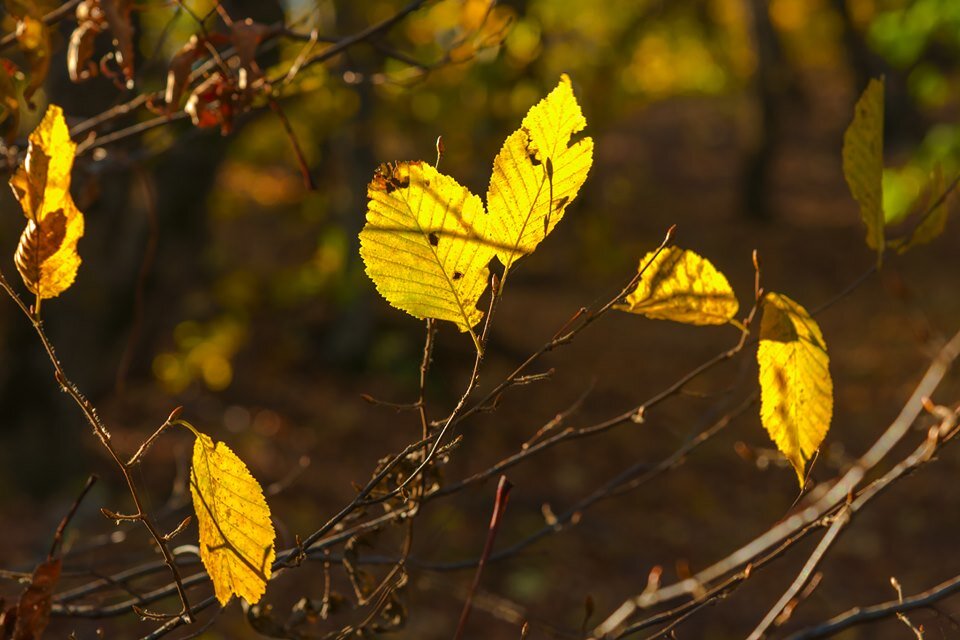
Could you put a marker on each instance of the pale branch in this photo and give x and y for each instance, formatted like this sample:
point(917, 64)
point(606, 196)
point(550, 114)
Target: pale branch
point(835, 496)
point(864, 615)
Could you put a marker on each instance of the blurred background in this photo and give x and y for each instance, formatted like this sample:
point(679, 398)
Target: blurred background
point(215, 278)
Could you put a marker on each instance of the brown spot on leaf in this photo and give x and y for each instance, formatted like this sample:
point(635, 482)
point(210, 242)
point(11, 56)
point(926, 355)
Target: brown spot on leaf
point(434, 238)
point(387, 178)
point(457, 275)
point(38, 244)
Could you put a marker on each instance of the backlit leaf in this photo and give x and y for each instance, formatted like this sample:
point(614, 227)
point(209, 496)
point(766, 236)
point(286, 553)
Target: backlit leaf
point(863, 162)
point(796, 392)
point(537, 173)
point(47, 256)
point(423, 244)
point(236, 535)
point(682, 286)
point(935, 218)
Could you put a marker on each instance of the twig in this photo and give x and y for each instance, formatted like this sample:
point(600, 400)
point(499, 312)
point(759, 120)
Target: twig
point(839, 521)
point(791, 525)
point(503, 493)
point(58, 536)
point(54, 16)
point(864, 615)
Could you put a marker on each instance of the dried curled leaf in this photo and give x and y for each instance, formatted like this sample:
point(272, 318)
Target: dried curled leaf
point(178, 72)
point(796, 391)
point(117, 15)
point(863, 162)
point(236, 535)
point(537, 173)
point(80, 67)
point(682, 286)
point(423, 244)
point(47, 256)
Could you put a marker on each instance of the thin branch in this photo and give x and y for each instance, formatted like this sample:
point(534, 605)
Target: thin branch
point(890, 609)
point(499, 506)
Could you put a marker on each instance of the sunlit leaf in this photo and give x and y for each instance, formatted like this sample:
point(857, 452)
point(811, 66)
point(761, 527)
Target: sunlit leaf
point(863, 162)
point(796, 392)
point(47, 256)
point(537, 173)
point(236, 535)
point(423, 244)
point(682, 286)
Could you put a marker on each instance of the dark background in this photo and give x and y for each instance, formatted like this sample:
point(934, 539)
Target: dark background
point(213, 279)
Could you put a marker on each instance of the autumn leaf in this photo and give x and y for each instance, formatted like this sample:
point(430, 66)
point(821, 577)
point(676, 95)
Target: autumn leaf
point(80, 49)
point(796, 392)
point(863, 162)
point(117, 15)
point(236, 535)
point(537, 173)
point(423, 244)
point(47, 256)
point(32, 612)
point(934, 216)
point(682, 286)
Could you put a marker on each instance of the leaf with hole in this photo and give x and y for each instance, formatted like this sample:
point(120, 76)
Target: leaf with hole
point(537, 173)
point(796, 391)
point(236, 535)
point(682, 286)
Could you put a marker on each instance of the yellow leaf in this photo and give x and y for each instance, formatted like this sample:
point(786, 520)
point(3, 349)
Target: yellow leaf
point(47, 256)
point(537, 174)
point(796, 392)
point(682, 286)
point(863, 162)
point(423, 244)
point(236, 535)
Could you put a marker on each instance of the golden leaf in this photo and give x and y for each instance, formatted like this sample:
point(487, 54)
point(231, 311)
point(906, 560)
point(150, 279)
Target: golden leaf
point(423, 244)
point(47, 256)
point(236, 535)
point(796, 392)
point(682, 286)
point(863, 162)
point(537, 174)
